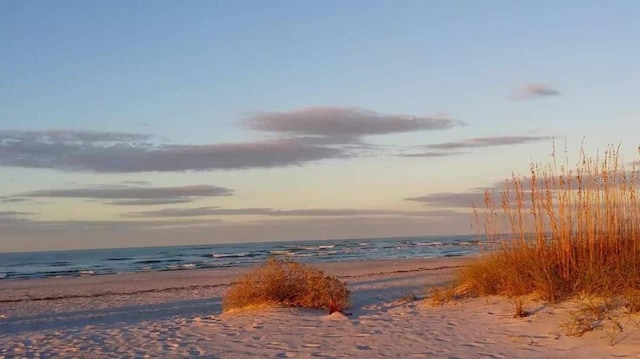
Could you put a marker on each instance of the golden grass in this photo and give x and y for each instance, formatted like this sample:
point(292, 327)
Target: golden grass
point(440, 295)
point(518, 303)
point(286, 283)
point(409, 297)
point(562, 232)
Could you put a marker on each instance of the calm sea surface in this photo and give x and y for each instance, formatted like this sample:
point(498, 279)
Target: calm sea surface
point(109, 261)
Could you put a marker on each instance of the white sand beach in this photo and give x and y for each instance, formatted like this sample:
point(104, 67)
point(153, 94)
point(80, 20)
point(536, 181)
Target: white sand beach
point(178, 315)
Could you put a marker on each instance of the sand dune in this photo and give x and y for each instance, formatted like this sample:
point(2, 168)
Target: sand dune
point(178, 314)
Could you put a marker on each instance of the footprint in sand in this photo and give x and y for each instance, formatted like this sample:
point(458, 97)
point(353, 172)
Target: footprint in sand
point(284, 355)
point(195, 351)
point(275, 345)
point(141, 354)
point(485, 341)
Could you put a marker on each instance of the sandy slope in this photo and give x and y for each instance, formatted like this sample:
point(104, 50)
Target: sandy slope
point(177, 314)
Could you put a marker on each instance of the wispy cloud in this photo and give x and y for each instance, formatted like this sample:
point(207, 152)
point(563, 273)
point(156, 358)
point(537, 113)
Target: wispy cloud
point(487, 142)
point(471, 197)
point(302, 136)
point(270, 212)
point(476, 196)
point(12, 200)
point(128, 195)
point(465, 200)
point(344, 123)
point(13, 219)
point(447, 149)
point(13, 213)
point(137, 183)
point(151, 201)
point(88, 151)
point(534, 90)
point(451, 199)
point(70, 136)
point(27, 226)
point(432, 154)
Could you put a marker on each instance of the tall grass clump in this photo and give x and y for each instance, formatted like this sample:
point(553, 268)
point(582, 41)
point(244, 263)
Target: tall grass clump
point(286, 283)
point(561, 232)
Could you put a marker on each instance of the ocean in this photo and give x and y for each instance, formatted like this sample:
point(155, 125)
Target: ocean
point(75, 263)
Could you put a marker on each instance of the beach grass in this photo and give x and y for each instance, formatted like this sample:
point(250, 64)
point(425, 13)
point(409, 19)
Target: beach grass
point(282, 282)
point(561, 232)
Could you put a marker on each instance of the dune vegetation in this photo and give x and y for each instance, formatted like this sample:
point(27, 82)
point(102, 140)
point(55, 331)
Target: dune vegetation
point(286, 283)
point(561, 232)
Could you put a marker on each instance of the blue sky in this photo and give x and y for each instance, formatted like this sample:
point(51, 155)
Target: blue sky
point(135, 123)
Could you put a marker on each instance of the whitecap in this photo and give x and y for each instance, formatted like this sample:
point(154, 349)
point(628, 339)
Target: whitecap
point(431, 244)
point(182, 266)
point(278, 251)
point(229, 255)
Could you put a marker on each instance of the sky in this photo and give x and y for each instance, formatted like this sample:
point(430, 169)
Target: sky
point(151, 123)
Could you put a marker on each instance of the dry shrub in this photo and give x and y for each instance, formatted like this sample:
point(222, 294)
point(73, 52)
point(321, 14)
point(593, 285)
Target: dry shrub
point(562, 232)
point(286, 283)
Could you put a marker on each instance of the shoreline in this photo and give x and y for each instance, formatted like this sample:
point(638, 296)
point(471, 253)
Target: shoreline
point(88, 263)
point(179, 315)
point(16, 290)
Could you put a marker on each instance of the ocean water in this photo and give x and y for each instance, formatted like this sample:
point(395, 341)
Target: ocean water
point(123, 260)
